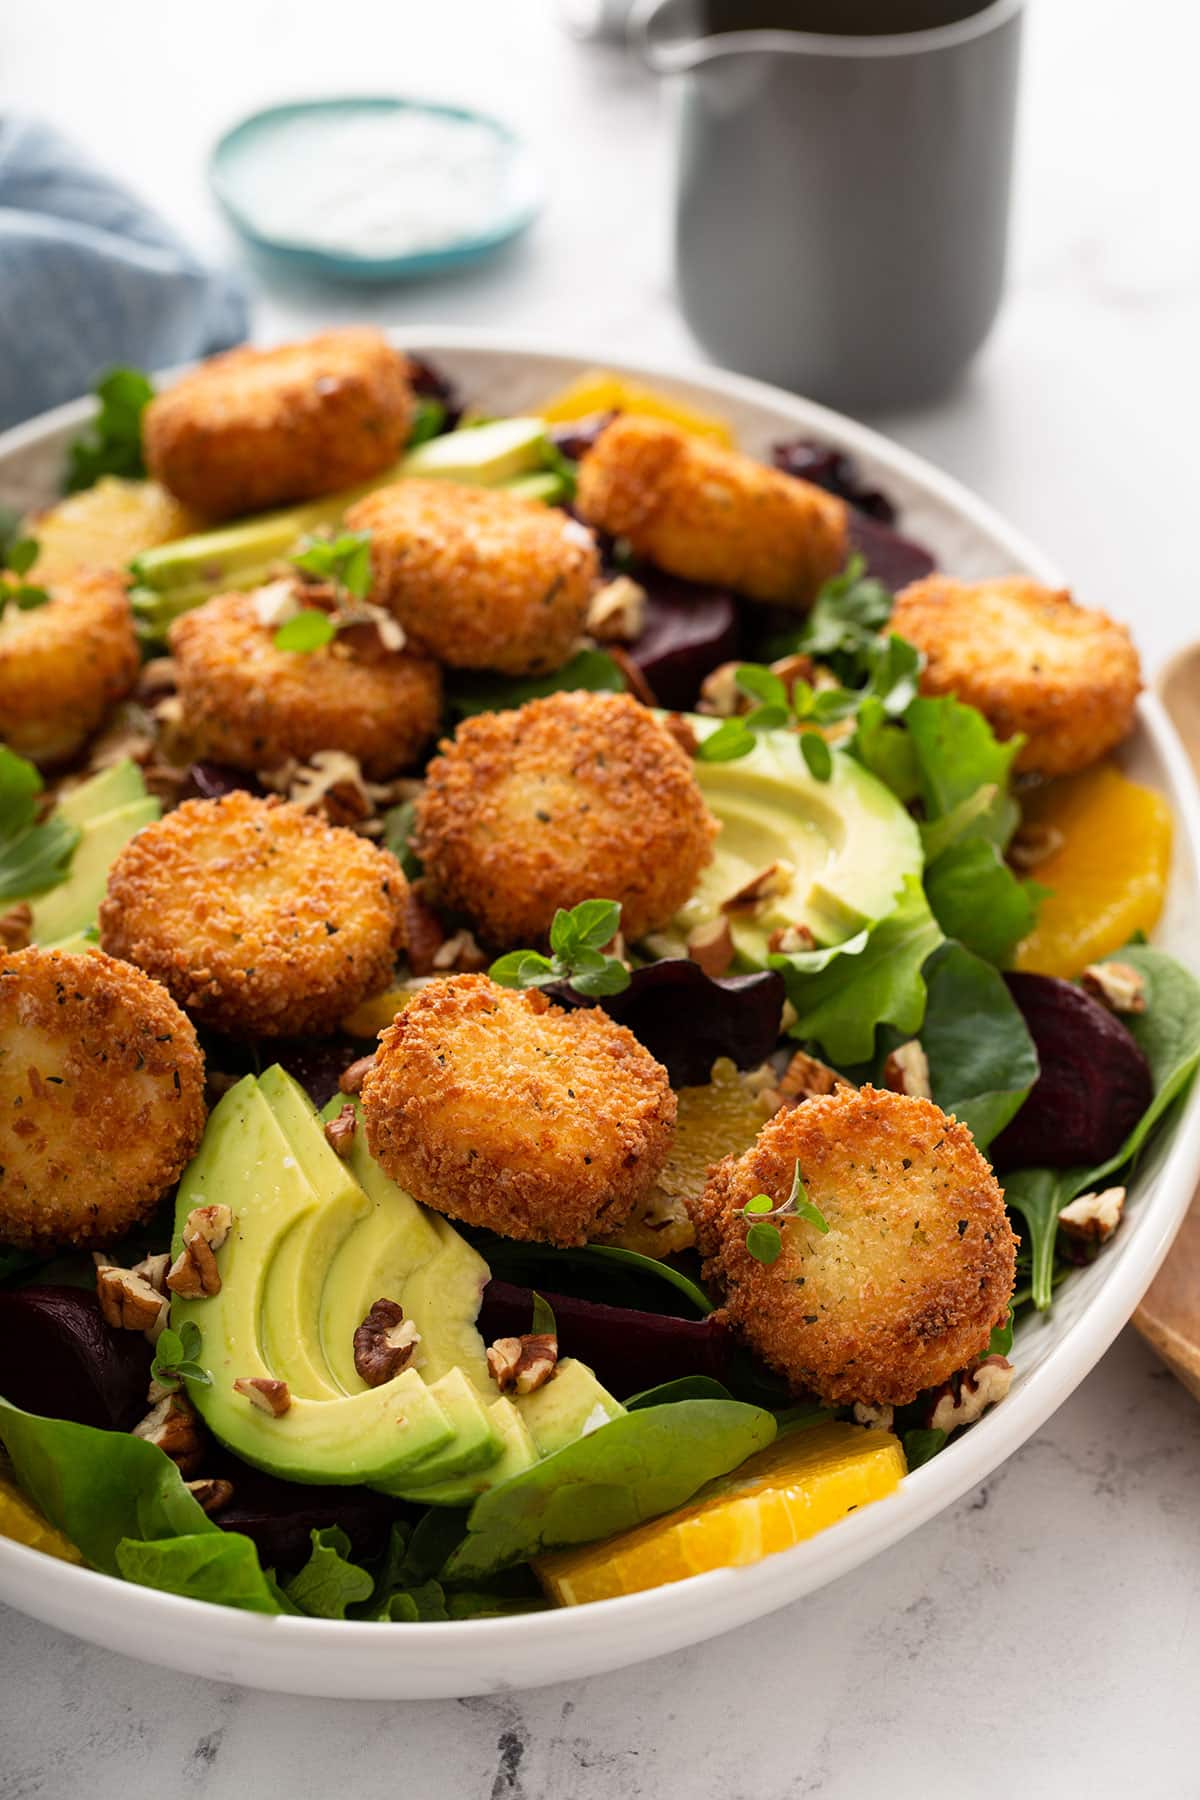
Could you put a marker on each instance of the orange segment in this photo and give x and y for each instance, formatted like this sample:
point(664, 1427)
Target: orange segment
point(1108, 875)
point(21, 1521)
point(721, 1119)
point(794, 1488)
point(600, 391)
point(106, 526)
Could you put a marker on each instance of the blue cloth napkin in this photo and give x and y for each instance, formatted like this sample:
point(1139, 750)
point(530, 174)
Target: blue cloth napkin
point(90, 277)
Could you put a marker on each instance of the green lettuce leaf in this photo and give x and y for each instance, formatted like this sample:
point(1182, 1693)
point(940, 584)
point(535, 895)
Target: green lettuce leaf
point(957, 753)
point(221, 1566)
point(977, 899)
point(842, 997)
point(329, 1582)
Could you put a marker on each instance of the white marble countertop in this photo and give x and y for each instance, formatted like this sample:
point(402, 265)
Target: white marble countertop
point(1040, 1637)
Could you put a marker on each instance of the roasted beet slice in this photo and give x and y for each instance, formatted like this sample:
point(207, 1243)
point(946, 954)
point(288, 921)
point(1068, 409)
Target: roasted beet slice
point(1094, 1086)
point(834, 471)
point(686, 1019)
point(575, 437)
point(280, 1515)
point(58, 1358)
point(890, 558)
point(627, 1350)
point(690, 630)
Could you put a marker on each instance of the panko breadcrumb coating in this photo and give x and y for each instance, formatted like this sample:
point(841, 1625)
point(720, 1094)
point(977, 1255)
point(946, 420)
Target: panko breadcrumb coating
point(479, 578)
point(1030, 660)
point(259, 428)
point(249, 704)
point(915, 1270)
point(260, 919)
point(501, 1109)
point(64, 664)
point(710, 514)
point(578, 796)
point(101, 1098)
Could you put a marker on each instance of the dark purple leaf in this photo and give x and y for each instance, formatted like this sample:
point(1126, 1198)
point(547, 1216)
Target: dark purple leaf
point(687, 1019)
point(626, 1349)
point(280, 1515)
point(1094, 1086)
point(59, 1359)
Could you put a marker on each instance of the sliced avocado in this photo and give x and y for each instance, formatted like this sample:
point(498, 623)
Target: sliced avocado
point(72, 907)
point(547, 485)
point(849, 841)
point(477, 1442)
point(518, 1452)
point(569, 1406)
point(119, 785)
point(246, 1162)
point(485, 455)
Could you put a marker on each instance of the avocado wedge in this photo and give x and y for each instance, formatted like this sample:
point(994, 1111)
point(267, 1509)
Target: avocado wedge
point(106, 811)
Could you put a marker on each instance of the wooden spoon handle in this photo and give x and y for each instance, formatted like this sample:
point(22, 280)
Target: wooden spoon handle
point(1169, 1316)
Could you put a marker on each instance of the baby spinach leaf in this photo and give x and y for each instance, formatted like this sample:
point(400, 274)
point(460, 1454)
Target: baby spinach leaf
point(429, 419)
point(111, 444)
point(591, 669)
point(982, 1061)
point(842, 995)
point(33, 857)
point(977, 899)
point(634, 1468)
point(685, 1387)
point(329, 1582)
point(921, 1445)
point(220, 1566)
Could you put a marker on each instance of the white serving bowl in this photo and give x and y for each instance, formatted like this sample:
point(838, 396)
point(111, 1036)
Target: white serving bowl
point(1052, 1356)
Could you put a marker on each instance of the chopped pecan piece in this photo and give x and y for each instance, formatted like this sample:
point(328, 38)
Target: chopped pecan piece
point(277, 602)
point(711, 946)
point(1117, 985)
point(962, 1400)
point(339, 1132)
point(683, 732)
point(269, 1396)
point(906, 1071)
point(128, 1302)
point(460, 953)
point(172, 1425)
point(790, 940)
point(384, 1343)
point(523, 1364)
point(720, 695)
point(791, 669)
point(1092, 1218)
point(423, 933)
point(350, 1080)
point(806, 1078)
point(635, 680)
point(1032, 844)
point(194, 1274)
point(770, 883)
point(875, 1418)
point(211, 1493)
point(617, 611)
point(16, 927)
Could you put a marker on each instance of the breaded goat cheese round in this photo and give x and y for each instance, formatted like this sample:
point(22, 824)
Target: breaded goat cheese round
point(62, 665)
point(501, 1109)
point(711, 514)
point(480, 579)
point(1030, 660)
point(260, 428)
point(260, 919)
point(101, 1098)
point(917, 1265)
point(578, 796)
point(248, 703)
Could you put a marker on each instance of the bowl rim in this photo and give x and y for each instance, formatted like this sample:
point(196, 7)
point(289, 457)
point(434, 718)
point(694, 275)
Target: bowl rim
point(703, 1606)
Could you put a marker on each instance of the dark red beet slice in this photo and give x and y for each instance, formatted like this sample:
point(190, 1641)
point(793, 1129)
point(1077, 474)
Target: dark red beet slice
point(686, 1019)
point(627, 1350)
point(58, 1358)
point(280, 1515)
point(690, 630)
point(1094, 1086)
point(575, 437)
point(834, 471)
point(892, 559)
point(431, 383)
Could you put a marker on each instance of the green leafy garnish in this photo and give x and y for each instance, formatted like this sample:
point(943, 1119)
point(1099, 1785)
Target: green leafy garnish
point(763, 1238)
point(175, 1355)
point(17, 556)
point(329, 1582)
point(846, 617)
point(111, 444)
point(344, 561)
point(764, 1242)
point(33, 857)
point(543, 1316)
point(309, 630)
point(577, 940)
point(817, 755)
point(921, 1445)
point(429, 420)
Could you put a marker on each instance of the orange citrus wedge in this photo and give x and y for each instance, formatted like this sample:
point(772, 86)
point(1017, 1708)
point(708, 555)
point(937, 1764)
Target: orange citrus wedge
point(794, 1488)
point(1108, 874)
point(106, 526)
point(600, 391)
point(21, 1521)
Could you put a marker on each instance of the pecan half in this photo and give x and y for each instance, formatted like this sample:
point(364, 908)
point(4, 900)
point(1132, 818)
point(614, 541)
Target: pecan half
point(128, 1302)
point(875, 1418)
point(1092, 1218)
point(720, 695)
point(211, 1493)
point(339, 1132)
point(807, 1078)
point(384, 1343)
point(710, 946)
point(172, 1425)
point(194, 1274)
point(523, 1364)
point(617, 611)
point(461, 954)
point(350, 1080)
point(16, 927)
point(960, 1402)
point(274, 1397)
point(906, 1071)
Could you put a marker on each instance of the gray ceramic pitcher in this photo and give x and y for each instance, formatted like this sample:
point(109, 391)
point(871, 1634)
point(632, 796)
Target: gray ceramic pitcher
point(843, 185)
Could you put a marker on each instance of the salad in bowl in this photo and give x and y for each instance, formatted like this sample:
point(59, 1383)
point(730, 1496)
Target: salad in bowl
point(564, 992)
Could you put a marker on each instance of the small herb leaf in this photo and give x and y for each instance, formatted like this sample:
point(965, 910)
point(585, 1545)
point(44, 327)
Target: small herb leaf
point(307, 630)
